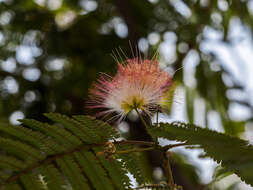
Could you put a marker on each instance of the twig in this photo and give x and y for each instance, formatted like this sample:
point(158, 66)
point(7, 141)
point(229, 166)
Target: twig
point(142, 120)
point(134, 150)
point(168, 170)
point(150, 186)
point(167, 147)
point(147, 143)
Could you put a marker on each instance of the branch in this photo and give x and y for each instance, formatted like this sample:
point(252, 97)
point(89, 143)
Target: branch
point(147, 143)
point(125, 11)
point(167, 147)
point(168, 171)
point(142, 120)
point(163, 185)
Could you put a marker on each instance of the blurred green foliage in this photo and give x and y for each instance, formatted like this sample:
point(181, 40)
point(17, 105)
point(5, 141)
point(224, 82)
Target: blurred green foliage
point(52, 50)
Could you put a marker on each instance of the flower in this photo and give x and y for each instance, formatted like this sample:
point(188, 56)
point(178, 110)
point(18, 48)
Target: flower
point(138, 84)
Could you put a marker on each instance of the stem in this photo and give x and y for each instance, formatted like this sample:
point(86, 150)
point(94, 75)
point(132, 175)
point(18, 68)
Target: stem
point(167, 147)
point(142, 120)
point(134, 150)
point(168, 171)
point(157, 113)
point(147, 143)
point(154, 186)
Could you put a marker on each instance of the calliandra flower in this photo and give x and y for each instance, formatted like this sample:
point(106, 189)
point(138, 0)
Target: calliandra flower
point(138, 84)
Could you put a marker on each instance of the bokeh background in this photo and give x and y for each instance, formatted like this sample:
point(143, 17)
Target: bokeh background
point(52, 50)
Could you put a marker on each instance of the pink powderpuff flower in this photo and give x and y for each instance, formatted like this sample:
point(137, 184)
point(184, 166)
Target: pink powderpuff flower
point(138, 84)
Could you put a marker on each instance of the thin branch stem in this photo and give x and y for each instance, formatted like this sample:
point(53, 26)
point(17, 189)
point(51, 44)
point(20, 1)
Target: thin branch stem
point(142, 120)
point(167, 147)
point(135, 150)
point(168, 171)
point(147, 143)
point(153, 186)
point(157, 114)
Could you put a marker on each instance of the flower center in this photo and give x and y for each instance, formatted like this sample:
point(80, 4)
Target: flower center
point(133, 102)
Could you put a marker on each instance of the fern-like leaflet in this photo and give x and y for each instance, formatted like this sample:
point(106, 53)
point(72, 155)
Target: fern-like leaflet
point(234, 154)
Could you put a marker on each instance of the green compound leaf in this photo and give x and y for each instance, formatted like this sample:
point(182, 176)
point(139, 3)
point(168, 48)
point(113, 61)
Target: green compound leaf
point(234, 154)
point(60, 155)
